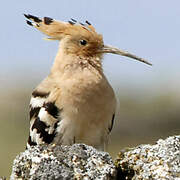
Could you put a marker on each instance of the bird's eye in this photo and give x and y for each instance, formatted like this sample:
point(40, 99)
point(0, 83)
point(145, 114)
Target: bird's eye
point(83, 42)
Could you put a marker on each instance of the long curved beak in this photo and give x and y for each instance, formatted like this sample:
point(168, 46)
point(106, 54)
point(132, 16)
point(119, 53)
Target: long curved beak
point(113, 50)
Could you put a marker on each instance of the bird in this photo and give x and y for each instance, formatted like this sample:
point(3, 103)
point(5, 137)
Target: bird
point(75, 103)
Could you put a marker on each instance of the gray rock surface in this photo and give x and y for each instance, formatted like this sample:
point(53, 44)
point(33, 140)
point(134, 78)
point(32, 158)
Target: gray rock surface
point(144, 162)
point(151, 162)
point(63, 162)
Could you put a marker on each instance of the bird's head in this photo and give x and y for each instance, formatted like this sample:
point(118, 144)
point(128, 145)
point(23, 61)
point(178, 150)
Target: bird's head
point(77, 38)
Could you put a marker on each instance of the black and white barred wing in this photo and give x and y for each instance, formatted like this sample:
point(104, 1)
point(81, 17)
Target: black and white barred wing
point(44, 119)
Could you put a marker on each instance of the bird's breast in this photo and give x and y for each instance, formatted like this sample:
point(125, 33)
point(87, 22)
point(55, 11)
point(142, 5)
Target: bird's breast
point(88, 101)
point(86, 89)
point(88, 104)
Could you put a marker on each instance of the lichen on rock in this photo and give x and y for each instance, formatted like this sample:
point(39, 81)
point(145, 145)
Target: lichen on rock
point(159, 161)
point(78, 161)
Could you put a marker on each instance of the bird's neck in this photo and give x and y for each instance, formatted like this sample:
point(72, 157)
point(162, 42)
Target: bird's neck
point(70, 62)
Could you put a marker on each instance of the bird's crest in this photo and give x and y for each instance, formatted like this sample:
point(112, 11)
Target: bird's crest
point(91, 43)
point(56, 30)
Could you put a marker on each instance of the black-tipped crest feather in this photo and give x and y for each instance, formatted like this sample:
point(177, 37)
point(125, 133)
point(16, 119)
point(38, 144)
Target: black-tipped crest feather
point(48, 20)
point(29, 23)
point(34, 18)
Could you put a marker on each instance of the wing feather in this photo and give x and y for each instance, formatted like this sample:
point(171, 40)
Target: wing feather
point(112, 123)
point(44, 118)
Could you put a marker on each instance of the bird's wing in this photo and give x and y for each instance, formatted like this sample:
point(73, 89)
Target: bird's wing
point(44, 115)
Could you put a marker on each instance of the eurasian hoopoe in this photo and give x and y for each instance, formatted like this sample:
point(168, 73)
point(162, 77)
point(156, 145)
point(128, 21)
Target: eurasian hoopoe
point(74, 103)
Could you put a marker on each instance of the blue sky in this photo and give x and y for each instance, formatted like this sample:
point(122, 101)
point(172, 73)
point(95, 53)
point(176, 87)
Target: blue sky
point(149, 29)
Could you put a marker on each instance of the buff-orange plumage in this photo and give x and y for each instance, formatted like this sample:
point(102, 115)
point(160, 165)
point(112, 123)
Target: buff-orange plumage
point(74, 103)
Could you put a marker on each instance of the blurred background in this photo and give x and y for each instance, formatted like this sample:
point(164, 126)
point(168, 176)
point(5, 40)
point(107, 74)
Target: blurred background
point(149, 96)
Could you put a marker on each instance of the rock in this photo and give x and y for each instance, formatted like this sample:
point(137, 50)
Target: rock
point(160, 161)
point(78, 161)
